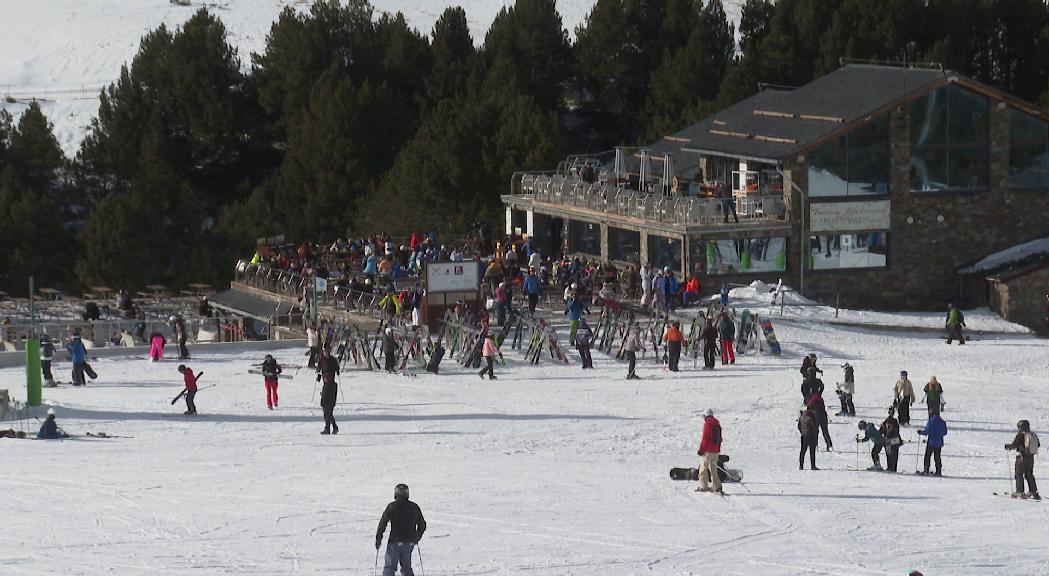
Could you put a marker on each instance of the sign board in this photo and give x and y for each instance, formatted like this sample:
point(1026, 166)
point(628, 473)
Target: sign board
point(453, 276)
point(848, 216)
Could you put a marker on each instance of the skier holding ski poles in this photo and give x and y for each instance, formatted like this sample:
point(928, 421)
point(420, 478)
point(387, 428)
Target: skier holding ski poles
point(874, 436)
point(327, 370)
point(1026, 445)
point(407, 526)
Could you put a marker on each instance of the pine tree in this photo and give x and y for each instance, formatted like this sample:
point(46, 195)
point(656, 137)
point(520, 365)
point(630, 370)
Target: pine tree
point(453, 55)
point(754, 23)
point(530, 34)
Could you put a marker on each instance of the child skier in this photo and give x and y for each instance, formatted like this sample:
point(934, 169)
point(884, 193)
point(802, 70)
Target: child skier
point(271, 371)
point(488, 350)
point(49, 430)
point(630, 348)
point(191, 387)
point(875, 437)
point(845, 391)
point(1026, 445)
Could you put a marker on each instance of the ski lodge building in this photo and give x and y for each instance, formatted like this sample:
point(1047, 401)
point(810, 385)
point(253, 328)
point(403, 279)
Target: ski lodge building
point(872, 183)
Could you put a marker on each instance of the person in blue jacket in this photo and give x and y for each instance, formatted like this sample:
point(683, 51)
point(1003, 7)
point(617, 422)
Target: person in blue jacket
point(49, 430)
point(371, 268)
point(575, 309)
point(935, 430)
point(531, 290)
point(670, 288)
point(872, 435)
point(79, 358)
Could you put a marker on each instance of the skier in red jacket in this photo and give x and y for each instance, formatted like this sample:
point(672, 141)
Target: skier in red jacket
point(710, 449)
point(191, 387)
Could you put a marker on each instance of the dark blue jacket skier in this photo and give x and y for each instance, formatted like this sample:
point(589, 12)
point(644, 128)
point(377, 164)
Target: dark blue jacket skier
point(935, 430)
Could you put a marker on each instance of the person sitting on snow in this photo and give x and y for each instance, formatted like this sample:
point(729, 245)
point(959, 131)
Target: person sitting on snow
point(49, 430)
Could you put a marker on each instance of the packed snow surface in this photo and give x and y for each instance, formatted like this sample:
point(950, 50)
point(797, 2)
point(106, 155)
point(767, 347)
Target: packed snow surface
point(63, 52)
point(547, 470)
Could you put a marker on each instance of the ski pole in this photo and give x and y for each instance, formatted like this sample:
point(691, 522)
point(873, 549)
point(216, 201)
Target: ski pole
point(917, 455)
point(375, 567)
point(857, 453)
point(1009, 475)
point(420, 548)
point(314, 395)
point(341, 393)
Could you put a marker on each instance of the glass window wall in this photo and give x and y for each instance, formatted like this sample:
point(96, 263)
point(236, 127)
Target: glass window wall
point(743, 256)
point(1028, 151)
point(854, 164)
point(837, 251)
point(949, 140)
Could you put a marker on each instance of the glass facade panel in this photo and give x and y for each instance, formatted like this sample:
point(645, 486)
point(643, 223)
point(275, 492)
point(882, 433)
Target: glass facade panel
point(663, 252)
point(1028, 151)
point(854, 164)
point(837, 251)
point(743, 256)
point(624, 245)
point(949, 138)
point(584, 237)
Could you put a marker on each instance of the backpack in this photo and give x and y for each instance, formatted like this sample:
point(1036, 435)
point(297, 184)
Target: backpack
point(1031, 443)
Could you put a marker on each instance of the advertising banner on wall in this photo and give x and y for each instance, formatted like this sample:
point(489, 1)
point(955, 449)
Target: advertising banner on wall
point(452, 276)
point(848, 216)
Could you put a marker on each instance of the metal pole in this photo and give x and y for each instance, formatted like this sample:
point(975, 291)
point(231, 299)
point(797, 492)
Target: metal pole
point(34, 393)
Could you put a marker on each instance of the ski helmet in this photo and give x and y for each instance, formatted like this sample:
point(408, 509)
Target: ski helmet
point(400, 492)
point(44, 339)
point(845, 365)
point(50, 411)
point(708, 413)
point(171, 319)
point(269, 356)
point(181, 367)
point(862, 425)
point(1023, 426)
point(903, 373)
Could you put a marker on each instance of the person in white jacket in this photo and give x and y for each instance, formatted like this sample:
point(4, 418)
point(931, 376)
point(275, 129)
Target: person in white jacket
point(313, 340)
point(646, 285)
point(630, 348)
point(845, 391)
point(903, 394)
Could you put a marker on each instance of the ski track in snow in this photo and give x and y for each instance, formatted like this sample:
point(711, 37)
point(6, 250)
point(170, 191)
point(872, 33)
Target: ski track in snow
point(548, 470)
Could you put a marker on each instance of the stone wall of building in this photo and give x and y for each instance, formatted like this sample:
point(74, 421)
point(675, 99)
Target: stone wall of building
point(1025, 301)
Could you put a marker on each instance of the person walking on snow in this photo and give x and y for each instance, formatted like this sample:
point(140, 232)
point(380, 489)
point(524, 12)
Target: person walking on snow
point(389, 349)
point(1026, 445)
point(630, 347)
point(710, 449)
point(78, 355)
point(934, 396)
point(190, 381)
point(875, 437)
point(575, 308)
point(531, 290)
point(808, 427)
point(179, 326)
point(819, 408)
point(583, 337)
point(845, 391)
point(674, 339)
point(407, 526)
point(271, 372)
point(47, 353)
point(488, 350)
point(935, 430)
point(327, 370)
point(903, 398)
point(727, 331)
point(709, 334)
point(954, 324)
point(313, 341)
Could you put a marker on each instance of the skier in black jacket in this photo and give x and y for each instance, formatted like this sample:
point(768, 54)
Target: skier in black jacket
point(811, 385)
point(1026, 445)
point(406, 529)
point(809, 362)
point(709, 334)
point(328, 369)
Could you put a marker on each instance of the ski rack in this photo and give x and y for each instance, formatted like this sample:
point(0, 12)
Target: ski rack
point(540, 334)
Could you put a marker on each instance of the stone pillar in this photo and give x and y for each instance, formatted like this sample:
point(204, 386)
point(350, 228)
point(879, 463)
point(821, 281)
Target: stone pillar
point(998, 134)
point(643, 235)
point(530, 222)
point(604, 241)
point(900, 142)
point(509, 220)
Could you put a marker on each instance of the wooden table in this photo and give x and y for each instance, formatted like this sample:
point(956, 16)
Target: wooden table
point(202, 289)
point(101, 292)
point(50, 293)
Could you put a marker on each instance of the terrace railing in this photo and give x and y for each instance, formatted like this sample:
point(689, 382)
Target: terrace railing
point(617, 199)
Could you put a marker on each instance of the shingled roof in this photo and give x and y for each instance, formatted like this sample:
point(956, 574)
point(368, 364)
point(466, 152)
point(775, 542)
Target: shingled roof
point(776, 124)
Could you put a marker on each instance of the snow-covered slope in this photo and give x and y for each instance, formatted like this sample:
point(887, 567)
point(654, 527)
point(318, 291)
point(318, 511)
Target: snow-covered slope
point(62, 52)
point(549, 470)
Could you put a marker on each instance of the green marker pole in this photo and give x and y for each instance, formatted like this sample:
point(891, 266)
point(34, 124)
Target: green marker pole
point(34, 391)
